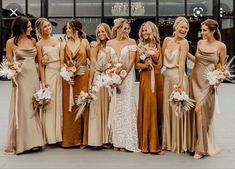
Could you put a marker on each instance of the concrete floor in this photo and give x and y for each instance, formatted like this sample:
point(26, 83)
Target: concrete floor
point(58, 158)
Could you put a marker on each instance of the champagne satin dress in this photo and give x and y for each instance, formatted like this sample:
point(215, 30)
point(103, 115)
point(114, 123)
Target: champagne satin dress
point(25, 129)
point(204, 94)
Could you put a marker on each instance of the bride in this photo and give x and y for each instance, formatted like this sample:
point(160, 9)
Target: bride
point(123, 110)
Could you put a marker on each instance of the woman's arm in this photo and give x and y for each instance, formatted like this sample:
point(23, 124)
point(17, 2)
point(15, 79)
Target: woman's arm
point(94, 52)
point(132, 57)
point(62, 46)
point(41, 66)
point(158, 59)
point(9, 51)
point(222, 54)
point(191, 57)
point(184, 48)
point(87, 45)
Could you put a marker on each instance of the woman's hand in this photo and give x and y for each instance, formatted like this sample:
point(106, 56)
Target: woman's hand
point(45, 59)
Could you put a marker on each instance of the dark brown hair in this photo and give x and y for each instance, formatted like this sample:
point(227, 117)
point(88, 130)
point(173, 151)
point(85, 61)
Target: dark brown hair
point(19, 26)
point(76, 25)
point(213, 26)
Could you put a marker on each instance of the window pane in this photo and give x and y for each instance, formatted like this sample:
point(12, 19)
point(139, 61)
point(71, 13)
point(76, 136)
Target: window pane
point(89, 26)
point(88, 8)
point(11, 8)
point(34, 8)
point(227, 32)
point(6, 33)
point(226, 8)
point(171, 8)
point(146, 8)
point(62, 8)
point(200, 8)
point(116, 7)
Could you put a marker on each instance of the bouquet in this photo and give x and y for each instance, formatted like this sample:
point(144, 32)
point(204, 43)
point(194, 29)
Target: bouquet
point(180, 101)
point(111, 76)
point(41, 99)
point(216, 76)
point(82, 100)
point(68, 72)
point(10, 70)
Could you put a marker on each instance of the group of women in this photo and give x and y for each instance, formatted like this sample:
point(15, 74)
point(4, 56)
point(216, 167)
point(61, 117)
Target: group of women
point(113, 119)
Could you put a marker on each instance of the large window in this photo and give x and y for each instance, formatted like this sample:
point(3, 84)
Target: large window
point(12, 8)
point(60, 8)
point(171, 8)
point(88, 8)
point(34, 8)
point(143, 8)
point(116, 7)
point(200, 8)
point(226, 8)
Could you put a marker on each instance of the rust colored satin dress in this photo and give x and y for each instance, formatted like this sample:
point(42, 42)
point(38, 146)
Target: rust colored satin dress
point(204, 94)
point(150, 107)
point(75, 133)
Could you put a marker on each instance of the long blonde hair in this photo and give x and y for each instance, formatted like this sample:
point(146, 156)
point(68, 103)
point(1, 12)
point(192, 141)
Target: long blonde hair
point(38, 26)
point(154, 33)
point(107, 32)
point(118, 24)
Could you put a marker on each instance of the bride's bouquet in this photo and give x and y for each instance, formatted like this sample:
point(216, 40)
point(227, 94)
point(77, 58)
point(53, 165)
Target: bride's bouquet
point(10, 70)
point(82, 100)
point(180, 101)
point(110, 75)
point(41, 99)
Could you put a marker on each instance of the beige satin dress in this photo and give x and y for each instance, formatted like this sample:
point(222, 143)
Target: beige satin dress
point(25, 131)
point(98, 115)
point(204, 94)
point(52, 118)
point(176, 129)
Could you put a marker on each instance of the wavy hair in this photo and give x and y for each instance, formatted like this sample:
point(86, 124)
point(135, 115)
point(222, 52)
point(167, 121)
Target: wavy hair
point(38, 26)
point(18, 27)
point(118, 24)
point(153, 30)
point(107, 32)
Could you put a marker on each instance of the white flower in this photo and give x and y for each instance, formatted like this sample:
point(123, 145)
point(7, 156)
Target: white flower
point(123, 73)
point(211, 77)
point(117, 65)
point(116, 79)
point(142, 57)
point(65, 74)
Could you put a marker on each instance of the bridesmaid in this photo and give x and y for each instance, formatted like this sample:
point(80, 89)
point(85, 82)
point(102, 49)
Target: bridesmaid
point(123, 110)
point(98, 115)
point(25, 132)
point(176, 129)
point(49, 61)
point(75, 49)
point(210, 51)
point(151, 88)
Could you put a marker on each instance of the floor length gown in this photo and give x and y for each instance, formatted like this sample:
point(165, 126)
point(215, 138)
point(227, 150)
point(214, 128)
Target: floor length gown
point(75, 132)
point(150, 104)
point(176, 129)
point(98, 113)
point(52, 118)
point(25, 130)
point(123, 115)
point(204, 94)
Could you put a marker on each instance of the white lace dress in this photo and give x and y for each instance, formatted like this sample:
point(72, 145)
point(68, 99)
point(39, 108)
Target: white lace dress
point(123, 110)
